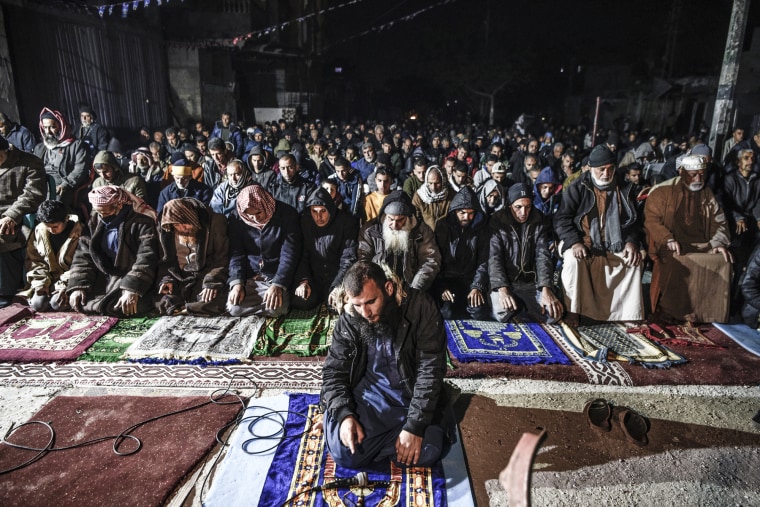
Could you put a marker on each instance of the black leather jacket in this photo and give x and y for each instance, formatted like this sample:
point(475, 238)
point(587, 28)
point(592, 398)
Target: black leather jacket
point(519, 252)
point(420, 347)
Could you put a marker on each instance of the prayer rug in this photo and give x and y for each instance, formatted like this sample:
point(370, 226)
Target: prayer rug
point(610, 342)
point(94, 475)
point(687, 334)
point(301, 332)
point(112, 345)
point(261, 373)
point(268, 471)
point(745, 336)
point(599, 373)
point(515, 342)
point(51, 336)
point(14, 312)
point(188, 338)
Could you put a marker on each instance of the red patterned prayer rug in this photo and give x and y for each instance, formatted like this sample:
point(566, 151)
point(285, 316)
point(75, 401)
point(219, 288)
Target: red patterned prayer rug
point(51, 336)
point(94, 475)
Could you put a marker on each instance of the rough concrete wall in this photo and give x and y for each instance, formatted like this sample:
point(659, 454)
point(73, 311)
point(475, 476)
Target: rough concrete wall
point(8, 101)
point(185, 82)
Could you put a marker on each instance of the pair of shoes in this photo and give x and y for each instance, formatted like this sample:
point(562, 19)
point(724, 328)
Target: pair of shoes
point(601, 416)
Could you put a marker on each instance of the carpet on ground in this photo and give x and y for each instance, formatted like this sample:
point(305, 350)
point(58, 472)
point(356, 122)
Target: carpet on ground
point(266, 373)
point(745, 336)
point(517, 342)
point(112, 345)
point(189, 338)
point(94, 475)
point(14, 312)
point(301, 333)
point(676, 334)
point(53, 336)
point(267, 472)
point(610, 342)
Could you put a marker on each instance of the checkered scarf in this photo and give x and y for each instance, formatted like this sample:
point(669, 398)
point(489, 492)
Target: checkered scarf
point(255, 197)
point(110, 195)
point(180, 211)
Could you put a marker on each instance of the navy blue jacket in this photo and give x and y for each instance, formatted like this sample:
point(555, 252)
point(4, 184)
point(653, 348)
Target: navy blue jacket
point(273, 251)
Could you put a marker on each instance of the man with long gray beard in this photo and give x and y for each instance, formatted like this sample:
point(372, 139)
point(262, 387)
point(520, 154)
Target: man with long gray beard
point(402, 241)
point(382, 382)
point(66, 159)
point(599, 229)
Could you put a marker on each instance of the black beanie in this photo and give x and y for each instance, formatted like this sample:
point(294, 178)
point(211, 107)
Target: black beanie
point(600, 156)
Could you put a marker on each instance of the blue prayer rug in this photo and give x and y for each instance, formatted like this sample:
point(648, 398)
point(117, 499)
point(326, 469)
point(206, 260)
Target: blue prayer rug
point(278, 453)
point(514, 342)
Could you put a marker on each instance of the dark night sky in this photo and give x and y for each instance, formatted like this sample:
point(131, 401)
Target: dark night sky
point(531, 39)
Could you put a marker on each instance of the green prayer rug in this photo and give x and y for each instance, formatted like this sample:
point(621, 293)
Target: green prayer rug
point(112, 345)
point(301, 333)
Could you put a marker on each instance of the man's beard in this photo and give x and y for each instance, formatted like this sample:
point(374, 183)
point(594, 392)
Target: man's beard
point(51, 141)
point(370, 332)
point(601, 185)
point(696, 186)
point(397, 242)
point(86, 124)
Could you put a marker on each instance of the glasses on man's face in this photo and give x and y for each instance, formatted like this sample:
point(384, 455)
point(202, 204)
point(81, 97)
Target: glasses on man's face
point(747, 157)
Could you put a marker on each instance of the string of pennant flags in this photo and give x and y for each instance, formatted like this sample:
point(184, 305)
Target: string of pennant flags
point(125, 7)
point(240, 40)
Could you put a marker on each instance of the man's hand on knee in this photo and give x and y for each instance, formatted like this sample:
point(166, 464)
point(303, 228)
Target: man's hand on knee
point(408, 448)
point(351, 433)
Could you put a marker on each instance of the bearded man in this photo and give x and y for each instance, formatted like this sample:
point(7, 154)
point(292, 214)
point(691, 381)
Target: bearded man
point(66, 159)
point(432, 199)
point(193, 271)
point(462, 285)
point(397, 238)
point(599, 229)
point(114, 266)
point(686, 229)
point(382, 382)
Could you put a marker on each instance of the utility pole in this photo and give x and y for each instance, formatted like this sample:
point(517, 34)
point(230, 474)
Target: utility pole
point(724, 101)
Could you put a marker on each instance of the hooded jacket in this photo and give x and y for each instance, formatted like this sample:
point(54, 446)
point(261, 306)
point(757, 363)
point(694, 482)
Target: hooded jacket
point(422, 260)
point(419, 347)
point(550, 206)
point(488, 187)
point(432, 211)
point(327, 251)
point(464, 251)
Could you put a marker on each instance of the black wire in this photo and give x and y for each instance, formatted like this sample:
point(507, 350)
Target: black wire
point(119, 439)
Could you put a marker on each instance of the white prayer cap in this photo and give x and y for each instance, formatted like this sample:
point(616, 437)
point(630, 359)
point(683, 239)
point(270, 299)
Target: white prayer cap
point(693, 163)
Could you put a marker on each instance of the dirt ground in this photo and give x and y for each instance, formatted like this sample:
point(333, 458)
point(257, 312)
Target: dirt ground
point(703, 447)
point(703, 450)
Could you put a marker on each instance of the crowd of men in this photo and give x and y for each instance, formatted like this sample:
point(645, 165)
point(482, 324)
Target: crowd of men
point(490, 222)
point(396, 228)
